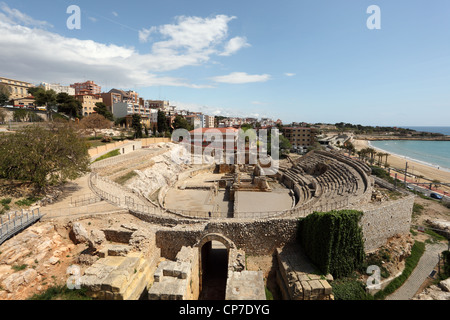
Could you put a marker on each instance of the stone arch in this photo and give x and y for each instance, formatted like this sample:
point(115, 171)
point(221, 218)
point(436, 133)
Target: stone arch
point(204, 247)
point(216, 237)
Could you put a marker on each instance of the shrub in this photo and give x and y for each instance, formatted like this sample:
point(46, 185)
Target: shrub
point(61, 293)
point(349, 289)
point(333, 241)
point(27, 202)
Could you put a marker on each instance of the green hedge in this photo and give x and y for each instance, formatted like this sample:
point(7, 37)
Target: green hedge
point(333, 241)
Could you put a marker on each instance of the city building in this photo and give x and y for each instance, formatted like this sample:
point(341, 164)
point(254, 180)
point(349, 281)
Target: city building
point(159, 104)
point(153, 120)
point(59, 88)
point(88, 102)
point(209, 122)
point(299, 137)
point(111, 98)
point(204, 136)
point(17, 89)
point(88, 87)
point(194, 120)
point(145, 121)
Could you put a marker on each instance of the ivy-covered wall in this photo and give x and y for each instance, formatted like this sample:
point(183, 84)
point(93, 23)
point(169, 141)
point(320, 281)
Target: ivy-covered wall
point(333, 241)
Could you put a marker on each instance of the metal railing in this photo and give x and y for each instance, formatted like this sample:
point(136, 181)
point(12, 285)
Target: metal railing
point(84, 200)
point(14, 222)
point(129, 202)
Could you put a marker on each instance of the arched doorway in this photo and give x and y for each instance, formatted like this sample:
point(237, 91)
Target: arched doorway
point(214, 252)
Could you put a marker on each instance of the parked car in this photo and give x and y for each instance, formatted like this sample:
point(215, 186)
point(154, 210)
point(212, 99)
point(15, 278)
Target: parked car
point(436, 196)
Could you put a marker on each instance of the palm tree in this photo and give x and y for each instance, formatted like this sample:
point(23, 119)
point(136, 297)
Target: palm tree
point(380, 155)
point(386, 155)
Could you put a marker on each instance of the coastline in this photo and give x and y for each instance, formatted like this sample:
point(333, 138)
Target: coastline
point(435, 166)
point(415, 167)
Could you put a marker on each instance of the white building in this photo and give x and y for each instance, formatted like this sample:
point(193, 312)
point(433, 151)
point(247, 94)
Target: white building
point(59, 88)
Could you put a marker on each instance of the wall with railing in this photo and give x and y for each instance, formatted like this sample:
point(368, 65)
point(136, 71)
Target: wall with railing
point(13, 222)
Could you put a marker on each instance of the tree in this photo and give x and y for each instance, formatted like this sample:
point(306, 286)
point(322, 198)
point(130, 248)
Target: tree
point(386, 155)
point(68, 105)
point(102, 109)
point(136, 125)
point(181, 123)
point(4, 95)
point(2, 115)
point(20, 115)
point(285, 145)
point(162, 122)
point(45, 98)
point(43, 155)
point(95, 122)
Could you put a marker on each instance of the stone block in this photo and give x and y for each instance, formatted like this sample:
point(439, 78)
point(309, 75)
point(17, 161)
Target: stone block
point(118, 250)
point(326, 287)
point(316, 287)
point(306, 290)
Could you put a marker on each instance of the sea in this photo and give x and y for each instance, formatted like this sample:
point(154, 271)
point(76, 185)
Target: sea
point(432, 153)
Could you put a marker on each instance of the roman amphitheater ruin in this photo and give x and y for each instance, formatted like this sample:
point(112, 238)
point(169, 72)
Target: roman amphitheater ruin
point(209, 217)
point(194, 226)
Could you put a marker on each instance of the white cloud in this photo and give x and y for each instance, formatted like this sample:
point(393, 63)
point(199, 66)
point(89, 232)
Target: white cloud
point(14, 16)
point(287, 74)
point(115, 14)
point(144, 34)
point(241, 77)
point(192, 35)
point(190, 41)
point(234, 45)
point(92, 19)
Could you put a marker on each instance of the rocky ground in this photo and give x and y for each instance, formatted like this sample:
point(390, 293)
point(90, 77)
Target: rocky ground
point(39, 257)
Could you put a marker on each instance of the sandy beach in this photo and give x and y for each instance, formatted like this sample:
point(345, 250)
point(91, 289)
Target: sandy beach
point(415, 168)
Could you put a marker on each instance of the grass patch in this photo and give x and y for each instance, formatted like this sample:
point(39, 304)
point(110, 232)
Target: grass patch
point(122, 179)
point(108, 155)
point(411, 262)
point(27, 202)
point(5, 203)
point(418, 209)
point(435, 237)
point(61, 293)
point(19, 267)
point(349, 289)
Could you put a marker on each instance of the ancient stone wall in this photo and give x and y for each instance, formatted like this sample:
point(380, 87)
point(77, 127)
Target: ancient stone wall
point(382, 221)
point(254, 237)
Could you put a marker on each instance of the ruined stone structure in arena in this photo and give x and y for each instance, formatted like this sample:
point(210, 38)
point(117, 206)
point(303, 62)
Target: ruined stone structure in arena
point(209, 217)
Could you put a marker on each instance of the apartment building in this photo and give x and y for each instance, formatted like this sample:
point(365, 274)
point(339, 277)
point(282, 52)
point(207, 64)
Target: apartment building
point(158, 104)
point(88, 87)
point(209, 122)
point(299, 136)
point(204, 136)
point(59, 88)
point(88, 102)
point(194, 120)
point(111, 98)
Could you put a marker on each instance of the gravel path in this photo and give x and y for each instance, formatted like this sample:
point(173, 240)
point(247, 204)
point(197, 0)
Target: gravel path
point(423, 269)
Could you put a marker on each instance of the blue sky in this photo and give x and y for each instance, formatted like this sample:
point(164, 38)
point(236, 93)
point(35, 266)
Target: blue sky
point(312, 61)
